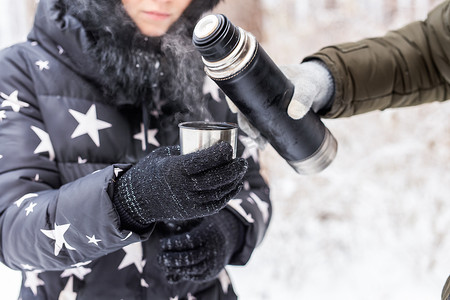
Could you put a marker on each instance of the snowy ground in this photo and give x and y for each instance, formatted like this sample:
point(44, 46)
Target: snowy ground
point(372, 226)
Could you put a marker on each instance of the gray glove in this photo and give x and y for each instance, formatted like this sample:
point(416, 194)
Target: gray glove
point(167, 186)
point(314, 88)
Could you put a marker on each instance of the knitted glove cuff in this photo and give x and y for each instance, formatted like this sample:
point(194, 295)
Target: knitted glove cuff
point(125, 207)
point(232, 229)
point(323, 77)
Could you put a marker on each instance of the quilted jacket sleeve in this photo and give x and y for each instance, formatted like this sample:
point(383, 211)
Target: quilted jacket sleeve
point(405, 67)
point(45, 225)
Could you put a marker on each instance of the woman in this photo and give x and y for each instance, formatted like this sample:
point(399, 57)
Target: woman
point(97, 203)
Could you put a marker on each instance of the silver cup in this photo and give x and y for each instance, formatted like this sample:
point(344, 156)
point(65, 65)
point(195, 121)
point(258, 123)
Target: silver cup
point(198, 135)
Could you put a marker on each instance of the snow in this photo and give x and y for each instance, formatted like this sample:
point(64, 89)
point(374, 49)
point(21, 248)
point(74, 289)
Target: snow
point(374, 224)
point(371, 226)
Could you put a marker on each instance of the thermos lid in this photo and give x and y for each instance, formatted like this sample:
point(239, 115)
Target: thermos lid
point(206, 26)
point(215, 37)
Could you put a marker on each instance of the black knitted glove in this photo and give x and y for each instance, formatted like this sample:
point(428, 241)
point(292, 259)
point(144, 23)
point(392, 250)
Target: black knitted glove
point(203, 251)
point(168, 186)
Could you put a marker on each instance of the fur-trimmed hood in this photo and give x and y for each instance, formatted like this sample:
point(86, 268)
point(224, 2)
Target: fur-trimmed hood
point(103, 44)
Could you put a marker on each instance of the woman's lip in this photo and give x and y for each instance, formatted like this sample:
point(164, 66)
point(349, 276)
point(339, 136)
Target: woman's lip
point(157, 15)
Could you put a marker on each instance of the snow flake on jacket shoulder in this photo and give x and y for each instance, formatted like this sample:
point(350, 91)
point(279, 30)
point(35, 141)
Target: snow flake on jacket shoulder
point(19, 202)
point(2, 115)
point(151, 137)
point(45, 145)
point(251, 148)
point(13, 101)
point(133, 255)
point(43, 65)
point(236, 205)
point(32, 281)
point(57, 234)
point(89, 124)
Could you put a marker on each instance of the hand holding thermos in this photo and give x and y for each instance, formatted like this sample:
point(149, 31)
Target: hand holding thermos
point(247, 75)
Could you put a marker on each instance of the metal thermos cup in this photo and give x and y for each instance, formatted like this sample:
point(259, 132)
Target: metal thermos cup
point(248, 76)
point(198, 135)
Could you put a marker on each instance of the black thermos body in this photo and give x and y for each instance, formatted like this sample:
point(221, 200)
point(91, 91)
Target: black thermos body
point(248, 76)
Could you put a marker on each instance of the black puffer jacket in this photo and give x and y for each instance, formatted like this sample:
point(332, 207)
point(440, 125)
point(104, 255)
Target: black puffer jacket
point(59, 142)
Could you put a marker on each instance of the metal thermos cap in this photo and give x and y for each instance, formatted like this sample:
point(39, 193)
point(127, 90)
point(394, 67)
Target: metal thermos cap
point(215, 37)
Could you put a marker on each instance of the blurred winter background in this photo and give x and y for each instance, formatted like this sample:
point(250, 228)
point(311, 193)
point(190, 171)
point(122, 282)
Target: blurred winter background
point(374, 225)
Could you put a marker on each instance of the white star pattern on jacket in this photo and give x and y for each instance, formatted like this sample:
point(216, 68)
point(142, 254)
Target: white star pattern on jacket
point(144, 283)
point(60, 49)
point(190, 297)
point(68, 293)
point(133, 255)
point(2, 115)
point(151, 139)
point(89, 124)
point(30, 207)
point(251, 148)
point(262, 206)
point(32, 281)
point(117, 171)
point(80, 264)
point(36, 178)
point(45, 145)
point(224, 280)
point(79, 272)
point(27, 267)
point(13, 101)
point(236, 204)
point(93, 240)
point(210, 87)
point(58, 235)
point(43, 65)
point(19, 202)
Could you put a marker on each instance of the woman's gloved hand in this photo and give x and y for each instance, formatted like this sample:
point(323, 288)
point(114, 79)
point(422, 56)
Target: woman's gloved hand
point(200, 253)
point(314, 88)
point(167, 186)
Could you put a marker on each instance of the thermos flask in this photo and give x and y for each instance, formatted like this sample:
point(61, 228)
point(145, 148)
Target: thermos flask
point(238, 64)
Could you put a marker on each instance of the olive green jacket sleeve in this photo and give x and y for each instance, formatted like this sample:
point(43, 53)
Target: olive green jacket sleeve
point(406, 67)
